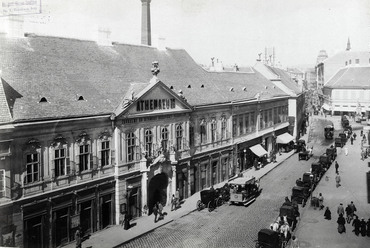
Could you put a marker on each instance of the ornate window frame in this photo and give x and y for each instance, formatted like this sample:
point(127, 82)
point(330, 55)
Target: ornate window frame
point(31, 148)
point(59, 143)
point(83, 151)
point(104, 152)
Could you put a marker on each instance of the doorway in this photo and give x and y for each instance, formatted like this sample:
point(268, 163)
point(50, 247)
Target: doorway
point(34, 232)
point(106, 211)
point(158, 190)
point(61, 226)
point(86, 217)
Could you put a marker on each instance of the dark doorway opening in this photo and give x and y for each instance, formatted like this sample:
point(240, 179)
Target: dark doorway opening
point(158, 190)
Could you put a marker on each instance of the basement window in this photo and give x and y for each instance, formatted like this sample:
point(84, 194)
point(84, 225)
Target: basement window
point(43, 99)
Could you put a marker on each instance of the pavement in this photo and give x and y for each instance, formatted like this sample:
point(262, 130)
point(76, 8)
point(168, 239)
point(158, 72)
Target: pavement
point(114, 236)
point(315, 231)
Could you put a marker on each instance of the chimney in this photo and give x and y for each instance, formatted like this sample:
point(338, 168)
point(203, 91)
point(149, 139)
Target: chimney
point(145, 23)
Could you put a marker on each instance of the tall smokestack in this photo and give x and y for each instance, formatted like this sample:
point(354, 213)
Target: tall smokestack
point(145, 23)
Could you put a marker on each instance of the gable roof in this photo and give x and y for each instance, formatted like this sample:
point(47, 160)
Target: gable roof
point(353, 77)
point(61, 70)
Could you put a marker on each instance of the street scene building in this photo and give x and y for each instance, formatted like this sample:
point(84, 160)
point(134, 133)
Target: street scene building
point(83, 142)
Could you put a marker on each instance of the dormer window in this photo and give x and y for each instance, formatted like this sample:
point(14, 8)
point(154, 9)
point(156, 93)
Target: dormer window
point(189, 86)
point(43, 99)
point(202, 86)
point(80, 98)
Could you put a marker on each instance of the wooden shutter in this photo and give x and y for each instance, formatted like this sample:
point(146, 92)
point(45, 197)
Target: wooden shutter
point(68, 161)
point(112, 156)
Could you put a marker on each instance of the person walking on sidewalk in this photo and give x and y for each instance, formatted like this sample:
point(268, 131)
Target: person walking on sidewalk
point(336, 167)
point(354, 136)
point(327, 214)
point(353, 208)
point(368, 228)
point(321, 201)
point(155, 212)
point(340, 209)
point(349, 213)
point(345, 150)
point(337, 180)
point(356, 225)
point(341, 224)
point(160, 211)
point(173, 202)
point(177, 197)
point(363, 227)
point(351, 140)
point(78, 237)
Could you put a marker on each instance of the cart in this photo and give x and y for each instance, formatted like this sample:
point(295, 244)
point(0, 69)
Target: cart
point(301, 145)
point(325, 160)
point(209, 199)
point(332, 152)
point(300, 194)
point(303, 155)
point(268, 238)
point(339, 142)
point(329, 132)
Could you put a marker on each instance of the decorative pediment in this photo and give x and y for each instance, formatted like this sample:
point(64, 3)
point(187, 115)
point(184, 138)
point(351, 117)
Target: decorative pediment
point(59, 140)
point(82, 137)
point(32, 145)
point(105, 135)
point(154, 98)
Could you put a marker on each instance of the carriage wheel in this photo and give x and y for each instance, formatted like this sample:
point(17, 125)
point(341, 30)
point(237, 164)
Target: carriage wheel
point(199, 205)
point(219, 202)
point(211, 206)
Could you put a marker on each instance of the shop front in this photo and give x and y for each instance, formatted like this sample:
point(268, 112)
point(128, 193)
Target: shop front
point(285, 142)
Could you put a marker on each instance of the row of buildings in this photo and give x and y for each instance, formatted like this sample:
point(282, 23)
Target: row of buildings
point(91, 131)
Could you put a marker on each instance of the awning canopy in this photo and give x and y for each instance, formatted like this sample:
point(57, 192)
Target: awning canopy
point(258, 150)
point(284, 138)
point(325, 106)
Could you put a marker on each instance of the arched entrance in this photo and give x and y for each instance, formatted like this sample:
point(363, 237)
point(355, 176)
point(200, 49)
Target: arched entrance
point(157, 190)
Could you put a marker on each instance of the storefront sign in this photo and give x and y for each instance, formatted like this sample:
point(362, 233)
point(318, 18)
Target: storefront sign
point(155, 104)
point(75, 221)
point(20, 7)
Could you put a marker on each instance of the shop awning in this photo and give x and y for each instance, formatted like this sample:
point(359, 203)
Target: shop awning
point(284, 138)
point(258, 150)
point(325, 106)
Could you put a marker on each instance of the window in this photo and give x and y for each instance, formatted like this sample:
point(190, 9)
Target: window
point(60, 162)
point(179, 135)
point(234, 126)
point(164, 135)
point(246, 123)
point(33, 168)
point(105, 150)
point(253, 128)
point(223, 128)
point(130, 139)
point(2, 183)
point(276, 116)
point(241, 125)
point(191, 136)
point(203, 133)
point(213, 130)
point(148, 140)
point(270, 118)
point(84, 157)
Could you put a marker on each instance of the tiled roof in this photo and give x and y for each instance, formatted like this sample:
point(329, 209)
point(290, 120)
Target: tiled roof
point(285, 79)
point(62, 70)
point(353, 77)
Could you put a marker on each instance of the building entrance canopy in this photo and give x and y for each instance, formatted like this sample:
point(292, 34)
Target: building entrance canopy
point(258, 150)
point(284, 138)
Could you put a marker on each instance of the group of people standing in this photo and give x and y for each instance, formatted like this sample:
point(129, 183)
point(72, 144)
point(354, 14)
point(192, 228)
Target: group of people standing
point(360, 226)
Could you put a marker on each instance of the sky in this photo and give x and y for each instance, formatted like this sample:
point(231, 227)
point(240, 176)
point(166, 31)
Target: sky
point(232, 31)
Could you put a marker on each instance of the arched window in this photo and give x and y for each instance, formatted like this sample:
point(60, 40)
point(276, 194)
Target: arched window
point(164, 135)
point(179, 136)
point(130, 139)
point(148, 137)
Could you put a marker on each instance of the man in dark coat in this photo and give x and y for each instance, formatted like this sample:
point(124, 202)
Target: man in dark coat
point(356, 224)
point(336, 167)
point(341, 224)
point(327, 213)
point(363, 227)
point(349, 213)
point(368, 228)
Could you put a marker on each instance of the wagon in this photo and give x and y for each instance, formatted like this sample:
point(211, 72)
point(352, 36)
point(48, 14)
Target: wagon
point(209, 199)
point(325, 160)
point(339, 142)
point(332, 152)
point(329, 131)
point(300, 194)
point(304, 155)
point(243, 190)
point(301, 145)
point(317, 170)
point(291, 213)
point(268, 238)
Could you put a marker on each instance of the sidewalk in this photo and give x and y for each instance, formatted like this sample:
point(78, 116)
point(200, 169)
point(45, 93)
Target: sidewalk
point(116, 235)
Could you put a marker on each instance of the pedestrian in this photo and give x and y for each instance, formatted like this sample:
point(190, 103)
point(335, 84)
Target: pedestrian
point(295, 242)
point(78, 237)
point(327, 214)
point(345, 150)
point(173, 202)
point(361, 133)
point(155, 212)
point(341, 224)
point(321, 201)
point(354, 136)
point(363, 227)
point(368, 227)
point(337, 180)
point(351, 140)
point(340, 209)
point(349, 214)
point(362, 155)
point(353, 207)
point(336, 167)
point(160, 210)
point(356, 224)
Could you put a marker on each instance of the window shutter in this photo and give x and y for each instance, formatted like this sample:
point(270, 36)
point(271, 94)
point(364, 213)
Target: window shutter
point(112, 156)
point(52, 160)
point(77, 158)
point(93, 162)
point(137, 151)
point(68, 162)
point(98, 156)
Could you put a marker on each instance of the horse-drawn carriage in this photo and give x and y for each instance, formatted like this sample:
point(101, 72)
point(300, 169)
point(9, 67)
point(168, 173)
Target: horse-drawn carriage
point(304, 155)
point(325, 160)
point(209, 199)
point(300, 194)
point(339, 142)
point(332, 152)
point(243, 190)
point(268, 238)
point(329, 132)
point(300, 146)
